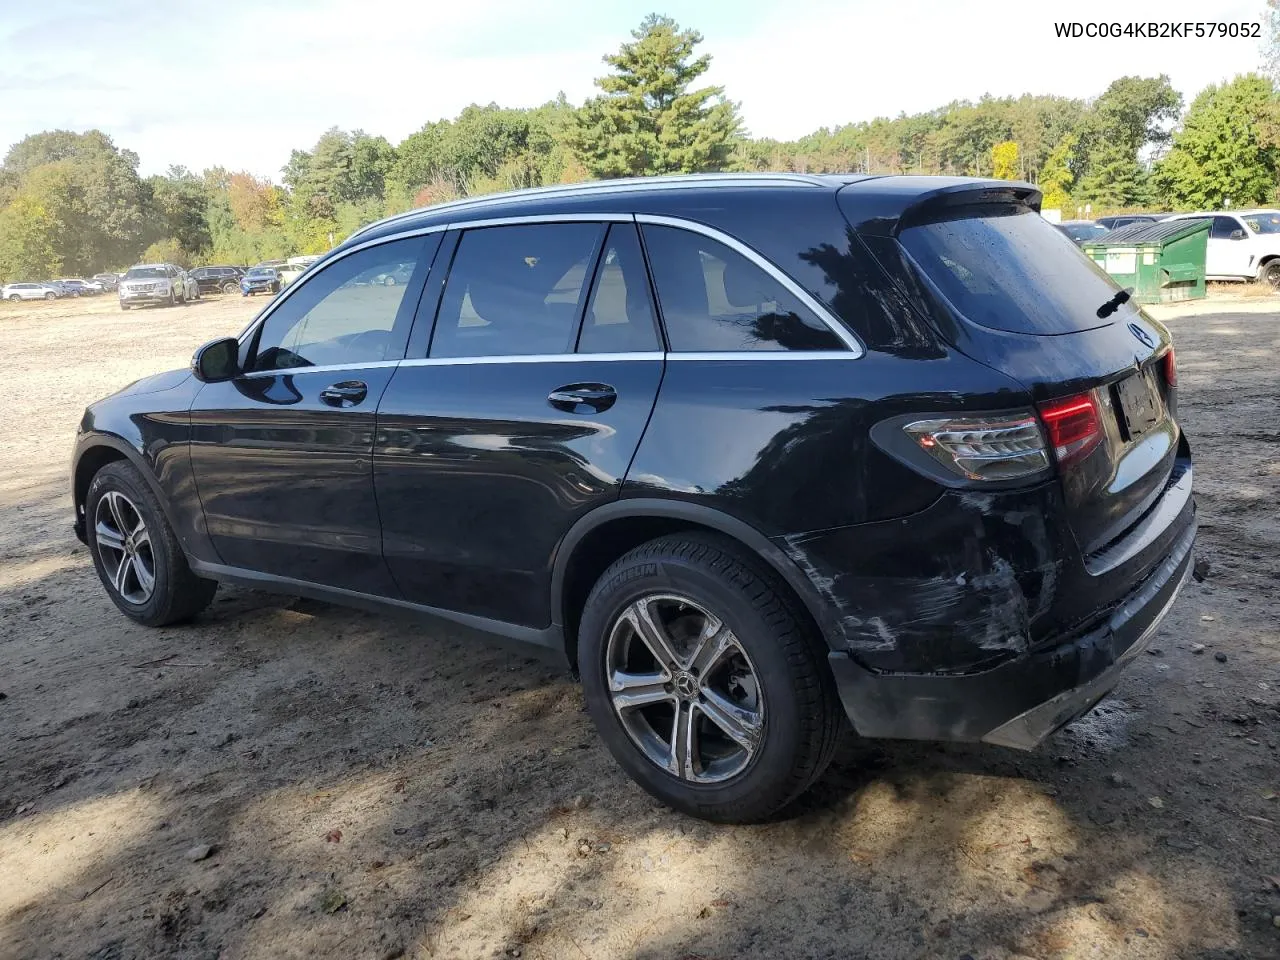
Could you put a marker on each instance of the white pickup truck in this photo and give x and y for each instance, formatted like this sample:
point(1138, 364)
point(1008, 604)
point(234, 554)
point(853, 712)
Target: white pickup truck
point(1243, 245)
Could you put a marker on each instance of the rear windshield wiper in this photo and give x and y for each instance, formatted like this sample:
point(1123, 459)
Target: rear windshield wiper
point(1112, 305)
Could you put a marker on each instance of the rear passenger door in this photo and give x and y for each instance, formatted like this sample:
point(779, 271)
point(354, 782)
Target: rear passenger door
point(517, 417)
point(1228, 250)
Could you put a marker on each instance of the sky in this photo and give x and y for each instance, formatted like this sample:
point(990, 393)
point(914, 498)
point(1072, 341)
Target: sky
point(240, 83)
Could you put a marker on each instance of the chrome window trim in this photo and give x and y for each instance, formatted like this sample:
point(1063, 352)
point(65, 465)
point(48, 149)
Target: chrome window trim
point(534, 358)
point(321, 368)
point(288, 291)
point(764, 355)
point(768, 266)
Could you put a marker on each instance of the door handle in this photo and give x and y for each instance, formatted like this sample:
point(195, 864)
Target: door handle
point(348, 393)
point(572, 397)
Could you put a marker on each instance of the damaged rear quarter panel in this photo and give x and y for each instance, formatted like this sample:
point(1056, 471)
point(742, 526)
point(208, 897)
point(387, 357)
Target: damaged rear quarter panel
point(959, 586)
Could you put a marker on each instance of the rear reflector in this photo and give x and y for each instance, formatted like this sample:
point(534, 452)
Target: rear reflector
point(1073, 425)
point(984, 448)
point(1171, 368)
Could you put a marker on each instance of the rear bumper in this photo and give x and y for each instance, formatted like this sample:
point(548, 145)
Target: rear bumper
point(1022, 701)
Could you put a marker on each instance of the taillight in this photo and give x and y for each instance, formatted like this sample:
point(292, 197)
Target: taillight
point(1171, 368)
point(1073, 425)
point(984, 448)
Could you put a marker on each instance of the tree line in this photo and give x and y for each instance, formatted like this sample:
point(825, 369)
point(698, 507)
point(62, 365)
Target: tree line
point(74, 203)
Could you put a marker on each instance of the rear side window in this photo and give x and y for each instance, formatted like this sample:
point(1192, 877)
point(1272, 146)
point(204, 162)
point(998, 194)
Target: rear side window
point(619, 316)
point(1007, 268)
point(714, 299)
point(1223, 227)
point(515, 291)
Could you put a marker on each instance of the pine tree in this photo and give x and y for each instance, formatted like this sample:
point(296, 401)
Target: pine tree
point(648, 120)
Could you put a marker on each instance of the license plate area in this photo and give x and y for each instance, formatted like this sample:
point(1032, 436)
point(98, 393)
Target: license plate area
point(1139, 404)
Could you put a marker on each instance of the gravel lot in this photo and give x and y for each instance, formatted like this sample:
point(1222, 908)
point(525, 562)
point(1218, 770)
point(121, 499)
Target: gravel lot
point(288, 779)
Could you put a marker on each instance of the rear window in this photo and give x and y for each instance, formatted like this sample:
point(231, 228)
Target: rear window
point(1007, 268)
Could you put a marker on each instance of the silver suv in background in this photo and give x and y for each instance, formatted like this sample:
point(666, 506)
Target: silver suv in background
point(30, 291)
point(155, 283)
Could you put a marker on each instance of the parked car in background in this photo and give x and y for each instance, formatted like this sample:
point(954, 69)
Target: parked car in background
point(109, 281)
point(64, 288)
point(30, 291)
point(1081, 231)
point(154, 283)
point(190, 285)
point(260, 280)
point(1244, 245)
point(751, 452)
point(289, 272)
point(217, 279)
point(82, 288)
point(1125, 219)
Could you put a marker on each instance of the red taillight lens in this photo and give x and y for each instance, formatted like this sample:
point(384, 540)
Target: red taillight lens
point(1073, 425)
point(1171, 368)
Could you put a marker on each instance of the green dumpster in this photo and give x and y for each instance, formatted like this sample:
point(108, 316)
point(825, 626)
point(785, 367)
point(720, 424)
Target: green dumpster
point(1161, 262)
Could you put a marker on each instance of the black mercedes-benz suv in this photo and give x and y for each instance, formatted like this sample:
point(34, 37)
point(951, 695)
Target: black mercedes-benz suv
point(751, 452)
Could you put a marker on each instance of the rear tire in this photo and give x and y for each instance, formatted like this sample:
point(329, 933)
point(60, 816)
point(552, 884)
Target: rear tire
point(229, 288)
point(121, 502)
point(766, 712)
point(124, 306)
point(14, 297)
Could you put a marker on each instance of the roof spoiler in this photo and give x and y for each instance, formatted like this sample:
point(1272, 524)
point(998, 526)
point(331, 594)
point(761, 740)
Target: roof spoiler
point(886, 211)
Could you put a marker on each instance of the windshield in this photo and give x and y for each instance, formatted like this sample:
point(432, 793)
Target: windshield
point(145, 273)
point(261, 272)
point(1008, 269)
point(1262, 222)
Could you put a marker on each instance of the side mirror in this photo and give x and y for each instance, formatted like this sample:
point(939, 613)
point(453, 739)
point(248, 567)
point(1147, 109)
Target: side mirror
point(1237, 234)
point(217, 360)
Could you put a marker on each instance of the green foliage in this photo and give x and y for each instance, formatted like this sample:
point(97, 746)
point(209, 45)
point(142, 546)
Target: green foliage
point(1226, 150)
point(178, 210)
point(1056, 175)
point(28, 238)
point(1004, 160)
point(648, 120)
point(168, 250)
point(1115, 180)
point(1133, 112)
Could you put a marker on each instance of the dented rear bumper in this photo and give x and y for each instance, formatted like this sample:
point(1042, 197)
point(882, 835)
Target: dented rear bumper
point(1023, 700)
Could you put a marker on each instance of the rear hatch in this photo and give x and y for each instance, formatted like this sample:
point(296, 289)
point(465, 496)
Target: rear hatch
point(1011, 291)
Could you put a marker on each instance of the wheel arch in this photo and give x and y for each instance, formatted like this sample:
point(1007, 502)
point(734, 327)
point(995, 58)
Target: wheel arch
point(602, 536)
point(93, 452)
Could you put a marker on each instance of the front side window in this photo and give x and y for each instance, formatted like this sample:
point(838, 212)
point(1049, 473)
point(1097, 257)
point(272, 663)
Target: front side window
point(619, 317)
point(515, 291)
point(345, 314)
point(713, 298)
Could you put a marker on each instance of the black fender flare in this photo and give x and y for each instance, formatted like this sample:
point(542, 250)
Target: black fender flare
point(704, 516)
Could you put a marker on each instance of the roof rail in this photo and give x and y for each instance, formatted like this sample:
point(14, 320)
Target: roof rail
point(621, 185)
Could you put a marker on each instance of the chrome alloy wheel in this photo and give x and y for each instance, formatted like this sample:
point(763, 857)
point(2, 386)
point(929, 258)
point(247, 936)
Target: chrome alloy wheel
point(684, 688)
point(124, 546)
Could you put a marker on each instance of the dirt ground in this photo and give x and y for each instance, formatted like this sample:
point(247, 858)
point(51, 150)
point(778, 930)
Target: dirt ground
point(288, 779)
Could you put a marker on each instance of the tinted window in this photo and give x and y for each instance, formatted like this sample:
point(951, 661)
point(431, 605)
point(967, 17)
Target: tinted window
point(1007, 268)
point(1263, 222)
point(714, 299)
point(145, 273)
point(1223, 227)
point(619, 316)
point(515, 290)
point(344, 314)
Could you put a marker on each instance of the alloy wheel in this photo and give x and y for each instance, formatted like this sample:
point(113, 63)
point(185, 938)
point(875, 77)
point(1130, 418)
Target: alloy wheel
point(124, 546)
point(684, 688)
point(1271, 275)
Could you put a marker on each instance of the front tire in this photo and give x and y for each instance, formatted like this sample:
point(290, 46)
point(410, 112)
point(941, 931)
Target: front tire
point(135, 552)
point(51, 296)
point(707, 683)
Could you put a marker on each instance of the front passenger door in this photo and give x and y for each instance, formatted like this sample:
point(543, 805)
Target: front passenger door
point(282, 454)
